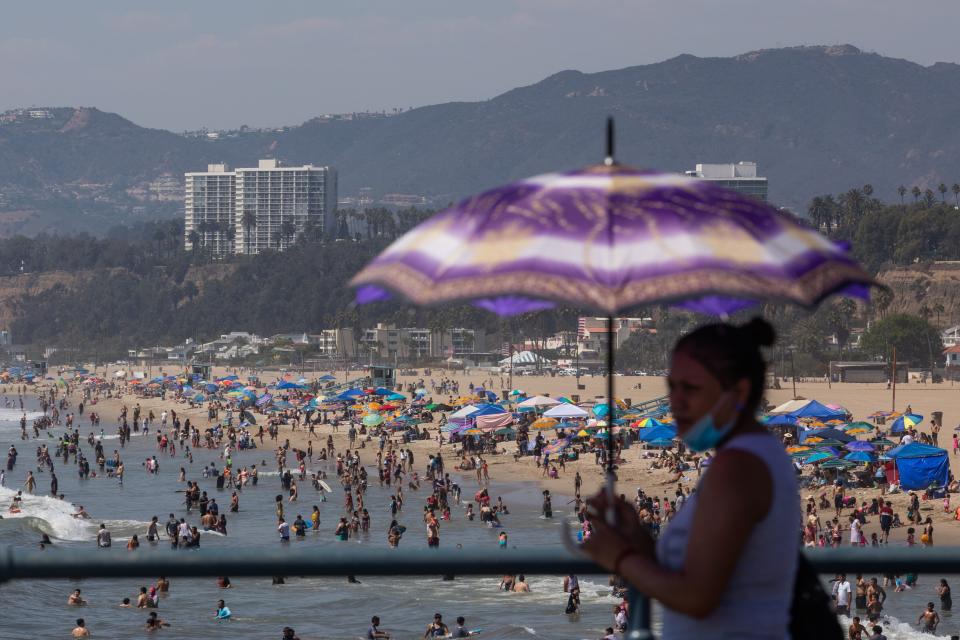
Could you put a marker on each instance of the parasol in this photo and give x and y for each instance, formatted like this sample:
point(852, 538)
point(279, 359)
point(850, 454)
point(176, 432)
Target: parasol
point(610, 237)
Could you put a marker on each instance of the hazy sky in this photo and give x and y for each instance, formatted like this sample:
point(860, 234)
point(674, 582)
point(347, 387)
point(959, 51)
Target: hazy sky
point(225, 63)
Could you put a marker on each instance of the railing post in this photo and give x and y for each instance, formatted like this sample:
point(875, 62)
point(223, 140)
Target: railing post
point(639, 622)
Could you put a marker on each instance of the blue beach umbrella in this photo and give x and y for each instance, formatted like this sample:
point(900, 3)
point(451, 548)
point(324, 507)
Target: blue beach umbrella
point(859, 456)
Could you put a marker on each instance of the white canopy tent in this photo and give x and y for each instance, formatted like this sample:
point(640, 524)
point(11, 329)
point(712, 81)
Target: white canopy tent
point(538, 401)
point(566, 410)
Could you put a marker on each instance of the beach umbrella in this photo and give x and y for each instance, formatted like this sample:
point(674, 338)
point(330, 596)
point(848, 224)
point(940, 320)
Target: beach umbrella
point(611, 237)
point(859, 445)
point(827, 442)
point(663, 443)
point(543, 424)
point(856, 431)
point(882, 442)
point(648, 422)
point(904, 422)
point(372, 419)
point(837, 464)
point(819, 456)
point(583, 433)
point(799, 449)
point(657, 433)
point(859, 456)
point(473, 432)
point(866, 426)
point(396, 397)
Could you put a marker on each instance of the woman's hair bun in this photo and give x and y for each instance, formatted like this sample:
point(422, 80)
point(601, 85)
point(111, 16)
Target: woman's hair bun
point(760, 332)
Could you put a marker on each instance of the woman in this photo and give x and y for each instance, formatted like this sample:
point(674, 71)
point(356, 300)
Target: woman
point(726, 564)
point(946, 600)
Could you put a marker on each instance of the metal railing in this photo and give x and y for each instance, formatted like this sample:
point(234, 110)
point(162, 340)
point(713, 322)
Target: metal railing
point(22, 563)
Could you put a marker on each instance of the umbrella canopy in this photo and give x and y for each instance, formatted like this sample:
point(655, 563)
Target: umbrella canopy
point(372, 419)
point(904, 422)
point(859, 445)
point(819, 456)
point(882, 442)
point(544, 423)
point(566, 411)
point(859, 456)
point(837, 464)
point(661, 442)
point(548, 239)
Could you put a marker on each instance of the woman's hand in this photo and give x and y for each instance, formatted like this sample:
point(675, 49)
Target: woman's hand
point(607, 544)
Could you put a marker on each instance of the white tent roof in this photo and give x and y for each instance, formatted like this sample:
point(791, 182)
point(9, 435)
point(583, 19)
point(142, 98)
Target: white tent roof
point(790, 406)
point(525, 357)
point(464, 411)
point(566, 410)
point(539, 401)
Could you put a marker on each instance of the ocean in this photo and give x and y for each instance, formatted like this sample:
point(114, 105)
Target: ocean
point(316, 607)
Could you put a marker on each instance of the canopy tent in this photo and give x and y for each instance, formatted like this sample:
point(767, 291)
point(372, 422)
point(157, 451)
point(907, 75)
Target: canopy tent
point(566, 411)
point(486, 410)
point(538, 401)
point(494, 420)
point(811, 409)
point(525, 358)
point(463, 412)
point(780, 420)
point(920, 465)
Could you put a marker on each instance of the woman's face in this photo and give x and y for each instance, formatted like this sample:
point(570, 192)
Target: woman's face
point(694, 391)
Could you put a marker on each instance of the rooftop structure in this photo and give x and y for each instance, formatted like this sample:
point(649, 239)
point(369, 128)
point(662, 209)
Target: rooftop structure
point(741, 177)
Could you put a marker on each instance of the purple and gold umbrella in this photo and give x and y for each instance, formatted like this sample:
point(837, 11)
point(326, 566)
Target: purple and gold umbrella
point(610, 237)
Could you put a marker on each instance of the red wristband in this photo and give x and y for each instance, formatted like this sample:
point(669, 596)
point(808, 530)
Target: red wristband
point(623, 555)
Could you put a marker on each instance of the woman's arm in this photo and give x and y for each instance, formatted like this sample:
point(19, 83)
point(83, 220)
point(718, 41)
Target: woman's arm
point(734, 496)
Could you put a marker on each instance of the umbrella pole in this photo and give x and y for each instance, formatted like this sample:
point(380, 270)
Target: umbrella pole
point(611, 478)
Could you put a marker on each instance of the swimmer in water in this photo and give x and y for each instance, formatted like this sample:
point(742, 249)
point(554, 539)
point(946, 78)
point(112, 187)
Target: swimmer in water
point(80, 631)
point(155, 623)
point(75, 600)
point(223, 611)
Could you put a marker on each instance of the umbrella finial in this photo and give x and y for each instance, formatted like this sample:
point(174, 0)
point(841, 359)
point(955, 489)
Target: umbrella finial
point(609, 159)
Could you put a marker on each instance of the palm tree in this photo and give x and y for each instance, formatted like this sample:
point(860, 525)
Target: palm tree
point(956, 192)
point(915, 191)
point(902, 190)
point(249, 221)
point(287, 231)
point(867, 190)
point(928, 198)
point(926, 312)
point(942, 188)
point(938, 309)
point(194, 238)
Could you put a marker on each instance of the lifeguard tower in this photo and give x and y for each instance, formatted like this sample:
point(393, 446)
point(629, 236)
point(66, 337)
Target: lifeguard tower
point(383, 376)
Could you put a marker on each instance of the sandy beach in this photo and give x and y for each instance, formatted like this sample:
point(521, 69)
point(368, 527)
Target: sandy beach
point(635, 472)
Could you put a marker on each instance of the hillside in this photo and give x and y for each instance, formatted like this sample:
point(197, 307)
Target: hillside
point(926, 285)
point(816, 119)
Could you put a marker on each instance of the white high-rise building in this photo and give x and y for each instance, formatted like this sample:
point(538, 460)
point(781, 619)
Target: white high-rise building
point(276, 205)
point(248, 210)
point(209, 208)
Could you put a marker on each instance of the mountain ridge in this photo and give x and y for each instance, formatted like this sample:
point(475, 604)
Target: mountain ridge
point(816, 119)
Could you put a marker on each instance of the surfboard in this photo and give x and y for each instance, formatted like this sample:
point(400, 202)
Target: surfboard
point(325, 486)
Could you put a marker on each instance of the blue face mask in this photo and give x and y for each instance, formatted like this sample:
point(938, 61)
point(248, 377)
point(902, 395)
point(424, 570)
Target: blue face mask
point(705, 434)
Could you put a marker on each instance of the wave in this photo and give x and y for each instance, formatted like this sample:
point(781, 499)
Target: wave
point(48, 515)
point(896, 629)
point(9, 414)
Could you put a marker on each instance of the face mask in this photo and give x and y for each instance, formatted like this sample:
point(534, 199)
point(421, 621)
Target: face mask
point(704, 434)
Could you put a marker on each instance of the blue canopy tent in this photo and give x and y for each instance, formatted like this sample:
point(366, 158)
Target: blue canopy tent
point(920, 465)
point(487, 410)
point(289, 385)
point(781, 420)
point(814, 409)
point(657, 433)
point(351, 394)
point(327, 378)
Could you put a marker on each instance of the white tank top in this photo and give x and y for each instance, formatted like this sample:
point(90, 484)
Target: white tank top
point(756, 603)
